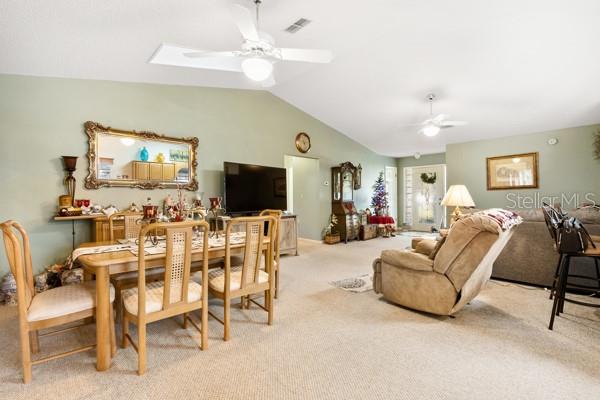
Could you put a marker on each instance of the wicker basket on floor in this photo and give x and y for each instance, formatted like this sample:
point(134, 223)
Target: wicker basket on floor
point(332, 239)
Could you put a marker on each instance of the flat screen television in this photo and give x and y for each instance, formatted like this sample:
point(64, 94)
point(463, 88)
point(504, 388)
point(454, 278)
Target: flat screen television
point(252, 188)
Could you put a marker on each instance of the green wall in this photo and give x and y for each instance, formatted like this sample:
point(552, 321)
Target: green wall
point(42, 119)
point(567, 168)
point(425, 159)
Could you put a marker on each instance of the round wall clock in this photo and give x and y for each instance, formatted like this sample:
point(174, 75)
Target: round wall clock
point(303, 142)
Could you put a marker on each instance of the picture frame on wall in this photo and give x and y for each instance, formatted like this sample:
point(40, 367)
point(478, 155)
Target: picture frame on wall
point(515, 171)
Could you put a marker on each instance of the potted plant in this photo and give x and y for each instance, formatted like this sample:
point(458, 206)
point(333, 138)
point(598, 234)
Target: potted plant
point(331, 235)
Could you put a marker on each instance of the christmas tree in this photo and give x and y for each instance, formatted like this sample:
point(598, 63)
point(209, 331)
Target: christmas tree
point(379, 201)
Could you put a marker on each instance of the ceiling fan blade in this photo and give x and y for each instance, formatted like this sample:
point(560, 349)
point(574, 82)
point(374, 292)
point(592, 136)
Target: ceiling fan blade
point(174, 55)
point(244, 21)
point(448, 124)
point(306, 55)
point(269, 82)
point(196, 54)
point(440, 117)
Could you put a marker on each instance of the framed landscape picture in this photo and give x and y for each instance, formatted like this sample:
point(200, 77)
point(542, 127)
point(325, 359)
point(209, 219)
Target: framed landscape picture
point(516, 171)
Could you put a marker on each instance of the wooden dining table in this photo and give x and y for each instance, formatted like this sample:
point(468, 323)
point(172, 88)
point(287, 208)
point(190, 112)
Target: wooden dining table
point(103, 265)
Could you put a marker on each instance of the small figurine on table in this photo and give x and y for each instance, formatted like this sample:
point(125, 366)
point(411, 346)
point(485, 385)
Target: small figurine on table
point(168, 202)
point(134, 208)
point(110, 210)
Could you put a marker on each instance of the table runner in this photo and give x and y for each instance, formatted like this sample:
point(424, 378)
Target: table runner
point(81, 251)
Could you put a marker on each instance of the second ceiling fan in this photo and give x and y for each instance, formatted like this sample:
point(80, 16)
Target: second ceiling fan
point(256, 58)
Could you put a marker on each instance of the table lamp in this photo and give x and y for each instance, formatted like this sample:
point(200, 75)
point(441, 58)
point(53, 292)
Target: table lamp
point(458, 196)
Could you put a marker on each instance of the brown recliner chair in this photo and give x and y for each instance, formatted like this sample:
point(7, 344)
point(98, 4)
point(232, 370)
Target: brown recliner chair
point(459, 270)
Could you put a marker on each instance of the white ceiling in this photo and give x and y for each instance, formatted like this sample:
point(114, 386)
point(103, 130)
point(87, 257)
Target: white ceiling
point(506, 66)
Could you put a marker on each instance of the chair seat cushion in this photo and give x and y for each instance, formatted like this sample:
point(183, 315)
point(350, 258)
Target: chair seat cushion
point(216, 279)
point(154, 296)
point(64, 300)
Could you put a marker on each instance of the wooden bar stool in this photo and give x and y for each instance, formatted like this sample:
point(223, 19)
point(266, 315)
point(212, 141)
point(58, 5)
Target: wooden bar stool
point(563, 284)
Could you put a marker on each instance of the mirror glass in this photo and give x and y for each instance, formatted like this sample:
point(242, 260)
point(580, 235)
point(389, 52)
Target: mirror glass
point(337, 192)
point(125, 158)
point(139, 159)
point(347, 186)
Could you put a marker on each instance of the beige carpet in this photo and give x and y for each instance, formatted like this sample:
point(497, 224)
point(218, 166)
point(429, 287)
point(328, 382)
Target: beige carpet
point(330, 344)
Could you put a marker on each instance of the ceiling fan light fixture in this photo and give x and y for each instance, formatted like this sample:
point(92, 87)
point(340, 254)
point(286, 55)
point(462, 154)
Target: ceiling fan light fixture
point(431, 130)
point(257, 69)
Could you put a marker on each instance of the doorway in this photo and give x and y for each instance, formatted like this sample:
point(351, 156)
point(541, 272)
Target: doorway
point(303, 194)
point(391, 187)
point(424, 189)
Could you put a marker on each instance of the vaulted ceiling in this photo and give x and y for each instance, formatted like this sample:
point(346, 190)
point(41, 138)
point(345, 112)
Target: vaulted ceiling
point(508, 67)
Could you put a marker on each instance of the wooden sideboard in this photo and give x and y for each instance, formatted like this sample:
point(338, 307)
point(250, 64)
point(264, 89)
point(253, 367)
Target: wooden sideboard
point(154, 171)
point(101, 232)
point(288, 236)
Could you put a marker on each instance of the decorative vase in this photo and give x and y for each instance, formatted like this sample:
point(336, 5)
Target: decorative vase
point(144, 154)
point(160, 158)
point(150, 211)
point(215, 202)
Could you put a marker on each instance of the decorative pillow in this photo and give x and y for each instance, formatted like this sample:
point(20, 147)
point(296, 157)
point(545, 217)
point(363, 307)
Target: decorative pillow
point(438, 246)
point(505, 218)
point(425, 246)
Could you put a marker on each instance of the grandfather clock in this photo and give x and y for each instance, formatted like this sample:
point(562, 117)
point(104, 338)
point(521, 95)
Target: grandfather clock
point(344, 179)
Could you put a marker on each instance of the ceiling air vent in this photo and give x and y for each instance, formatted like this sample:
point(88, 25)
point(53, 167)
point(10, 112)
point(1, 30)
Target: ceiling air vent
point(296, 26)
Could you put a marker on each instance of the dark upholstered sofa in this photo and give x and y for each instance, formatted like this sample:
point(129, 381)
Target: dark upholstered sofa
point(529, 257)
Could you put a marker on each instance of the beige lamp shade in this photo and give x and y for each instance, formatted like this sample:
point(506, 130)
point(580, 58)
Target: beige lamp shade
point(459, 196)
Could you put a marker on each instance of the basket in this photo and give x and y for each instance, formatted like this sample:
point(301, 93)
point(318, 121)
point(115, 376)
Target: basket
point(332, 239)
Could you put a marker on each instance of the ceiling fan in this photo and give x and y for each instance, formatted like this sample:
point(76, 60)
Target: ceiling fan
point(256, 58)
point(432, 125)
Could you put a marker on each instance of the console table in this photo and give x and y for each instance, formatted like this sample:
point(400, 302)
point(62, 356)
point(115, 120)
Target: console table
point(78, 218)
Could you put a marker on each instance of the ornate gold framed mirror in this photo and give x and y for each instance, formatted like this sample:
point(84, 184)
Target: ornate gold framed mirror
point(145, 160)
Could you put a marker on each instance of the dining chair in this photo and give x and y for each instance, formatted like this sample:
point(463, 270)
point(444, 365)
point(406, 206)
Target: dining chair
point(48, 309)
point(277, 226)
point(176, 294)
point(127, 280)
point(239, 281)
point(131, 226)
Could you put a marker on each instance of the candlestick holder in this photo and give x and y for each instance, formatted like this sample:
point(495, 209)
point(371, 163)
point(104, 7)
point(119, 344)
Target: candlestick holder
point(70, 164)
